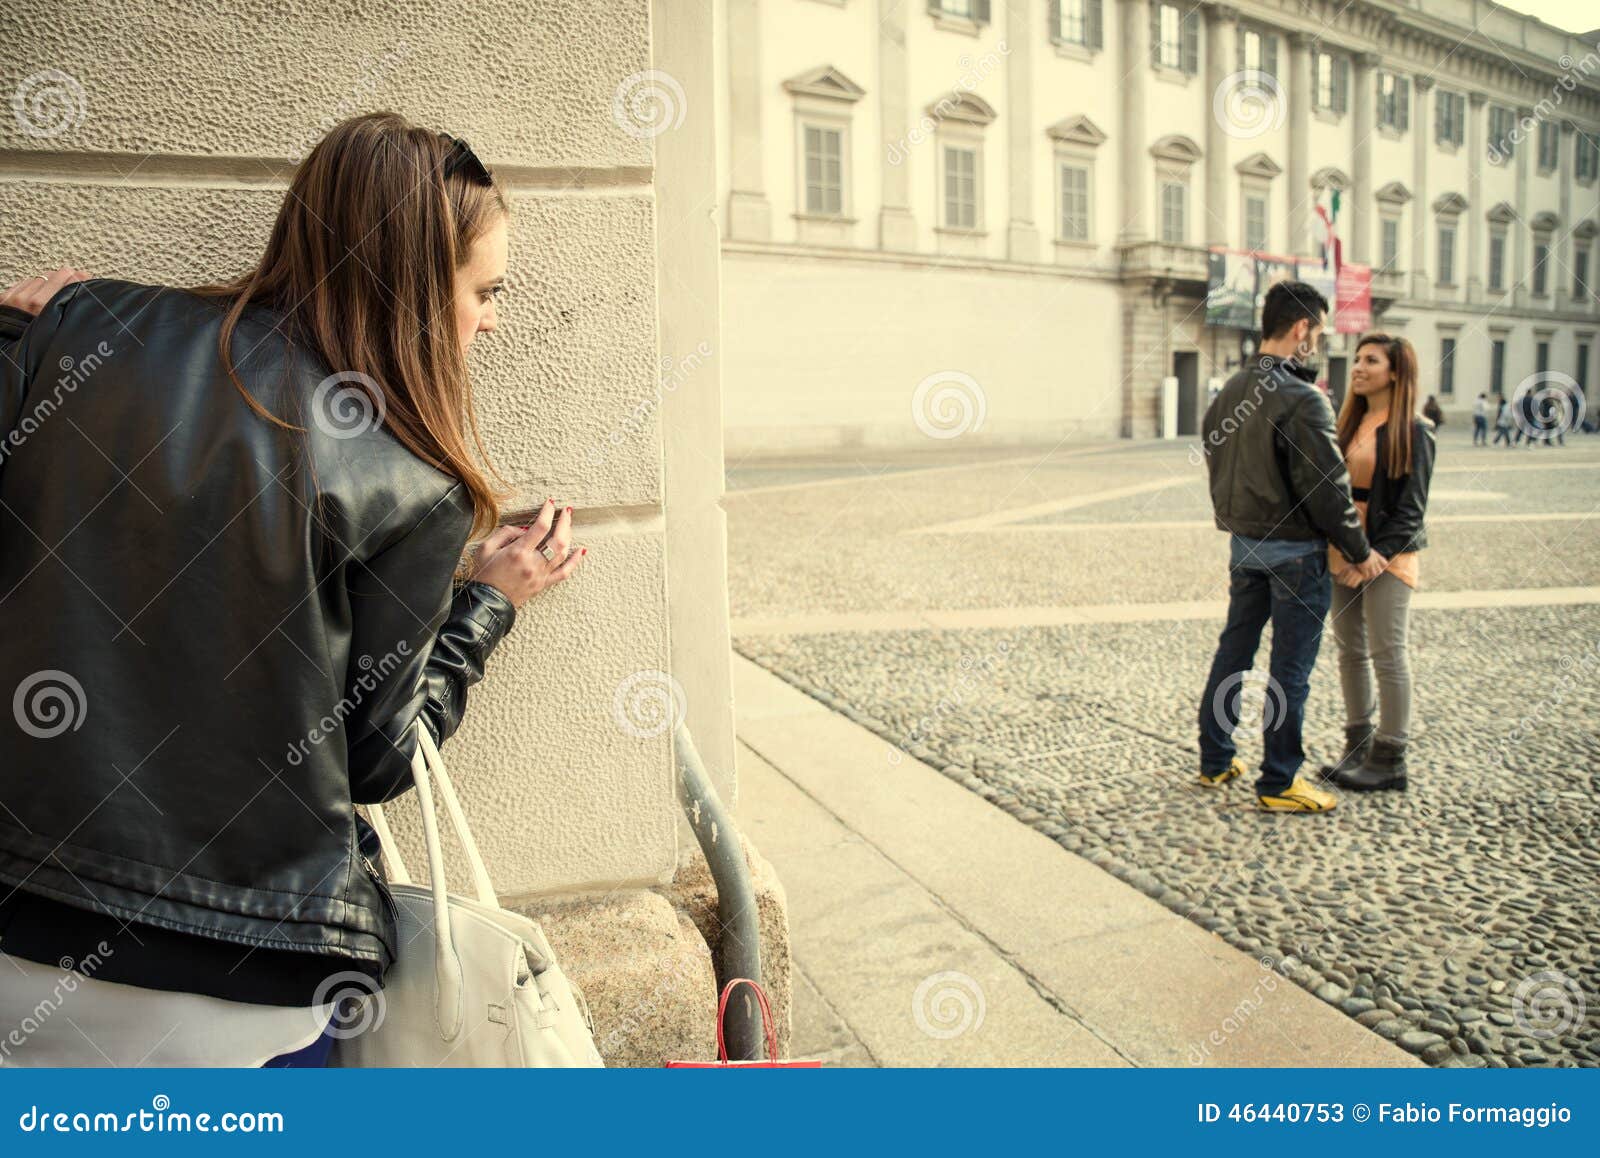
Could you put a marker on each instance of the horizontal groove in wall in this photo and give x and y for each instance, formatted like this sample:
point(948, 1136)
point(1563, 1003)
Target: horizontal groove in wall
point(231, 172)
point(601, 522)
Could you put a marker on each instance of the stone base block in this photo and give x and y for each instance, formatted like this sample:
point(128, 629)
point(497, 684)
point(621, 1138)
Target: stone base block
point(644, 969)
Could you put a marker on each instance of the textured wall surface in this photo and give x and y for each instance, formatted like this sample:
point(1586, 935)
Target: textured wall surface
point(163, 157)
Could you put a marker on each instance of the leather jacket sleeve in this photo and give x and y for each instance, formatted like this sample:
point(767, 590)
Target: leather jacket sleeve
point(1320, 479)
point(414, 655)
point(1400, 529)
point(21, 332)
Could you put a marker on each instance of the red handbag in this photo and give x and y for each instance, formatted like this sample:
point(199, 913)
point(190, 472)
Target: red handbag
point(722, 1062)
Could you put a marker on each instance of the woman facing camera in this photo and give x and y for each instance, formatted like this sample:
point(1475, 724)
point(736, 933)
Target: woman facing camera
point(1389, 452)
point(231, 522)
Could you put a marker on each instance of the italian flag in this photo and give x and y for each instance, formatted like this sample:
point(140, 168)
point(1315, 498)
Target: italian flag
point(1333, 248)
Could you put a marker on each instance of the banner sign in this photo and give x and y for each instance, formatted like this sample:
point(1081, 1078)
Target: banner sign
point(1230, 289)
point(1354, 309)
point(1320, 277)
point(1269, 272)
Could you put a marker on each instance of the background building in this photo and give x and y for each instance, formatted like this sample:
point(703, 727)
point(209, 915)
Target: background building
point(995, 216)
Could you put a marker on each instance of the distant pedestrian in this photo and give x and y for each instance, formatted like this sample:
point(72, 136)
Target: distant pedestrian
point(1389, 452)
point(1280, 486)
point(1502, 424)
point(1432, 412)
point(1480, 421)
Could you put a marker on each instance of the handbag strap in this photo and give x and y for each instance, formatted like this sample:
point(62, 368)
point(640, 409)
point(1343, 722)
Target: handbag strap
point(427, 768)
point(766, 1018)
point(481, 880)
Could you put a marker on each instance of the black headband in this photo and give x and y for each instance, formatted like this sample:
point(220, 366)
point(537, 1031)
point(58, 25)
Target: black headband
point(461, 159)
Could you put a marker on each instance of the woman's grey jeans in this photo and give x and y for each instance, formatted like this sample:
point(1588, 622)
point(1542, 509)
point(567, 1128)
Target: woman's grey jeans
point(1370, 624)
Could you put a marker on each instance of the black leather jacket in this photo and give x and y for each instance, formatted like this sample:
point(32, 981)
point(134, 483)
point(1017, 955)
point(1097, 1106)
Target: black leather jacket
point(1396, 506)
point(1275, 466)
point(210, 658)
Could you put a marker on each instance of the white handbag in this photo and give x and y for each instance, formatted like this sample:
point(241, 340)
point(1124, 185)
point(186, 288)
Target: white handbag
point(473, 984)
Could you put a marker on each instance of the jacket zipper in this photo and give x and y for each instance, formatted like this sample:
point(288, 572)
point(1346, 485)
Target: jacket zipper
point(383, 888)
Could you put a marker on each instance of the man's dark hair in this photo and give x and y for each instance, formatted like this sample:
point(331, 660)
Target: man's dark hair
point(1288, 302)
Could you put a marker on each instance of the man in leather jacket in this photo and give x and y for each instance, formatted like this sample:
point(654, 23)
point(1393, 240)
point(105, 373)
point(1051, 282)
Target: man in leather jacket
point(180, 746)
point(1280, 487)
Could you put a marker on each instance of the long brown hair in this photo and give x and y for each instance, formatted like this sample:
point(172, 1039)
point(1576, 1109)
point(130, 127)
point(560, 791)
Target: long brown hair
point(361, 266)
point(1402, 403)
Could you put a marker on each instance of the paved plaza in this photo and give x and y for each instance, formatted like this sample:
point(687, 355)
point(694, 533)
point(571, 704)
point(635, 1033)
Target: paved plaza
point(1037, 624)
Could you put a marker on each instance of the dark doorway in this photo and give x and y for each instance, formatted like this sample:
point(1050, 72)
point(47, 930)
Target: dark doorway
point(1338, 368)
point(1186, 368)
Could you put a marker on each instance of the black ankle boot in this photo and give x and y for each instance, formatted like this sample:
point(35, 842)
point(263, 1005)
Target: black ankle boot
point(1357, 743)
point(1385, 768)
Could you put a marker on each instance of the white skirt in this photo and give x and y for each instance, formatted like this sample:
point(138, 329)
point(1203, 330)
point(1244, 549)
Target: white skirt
point(51, 1016)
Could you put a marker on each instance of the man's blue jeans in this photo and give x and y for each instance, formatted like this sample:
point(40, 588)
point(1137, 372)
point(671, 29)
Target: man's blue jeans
point(1294, 595)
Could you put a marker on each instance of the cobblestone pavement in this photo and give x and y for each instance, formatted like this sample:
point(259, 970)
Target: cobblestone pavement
point(1459, 918)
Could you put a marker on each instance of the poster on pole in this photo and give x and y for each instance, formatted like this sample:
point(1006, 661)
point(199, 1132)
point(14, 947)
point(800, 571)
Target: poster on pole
point(1269, 272)
point(1230, 289)
point(1355, 299)
point(1320, 277)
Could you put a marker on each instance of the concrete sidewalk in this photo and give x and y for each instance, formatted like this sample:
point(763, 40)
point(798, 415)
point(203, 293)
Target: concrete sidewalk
point(930, 928)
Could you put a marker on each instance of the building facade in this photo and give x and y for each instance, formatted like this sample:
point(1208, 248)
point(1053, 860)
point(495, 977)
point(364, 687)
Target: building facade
point(992, 217)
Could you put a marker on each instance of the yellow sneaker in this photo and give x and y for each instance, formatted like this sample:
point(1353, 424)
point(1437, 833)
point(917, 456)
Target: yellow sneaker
point(1300, 796)
point(1218, 779)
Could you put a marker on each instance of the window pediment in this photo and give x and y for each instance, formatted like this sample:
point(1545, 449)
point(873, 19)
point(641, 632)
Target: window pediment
point(964, 107)
point(1176, 148)
point(1330, 178)
point(1450, 203)
point(825, 82)
point(1394, 193)
point(1258, 165)
point(1545, 222)
point(1503, 214)
point(1079, 130)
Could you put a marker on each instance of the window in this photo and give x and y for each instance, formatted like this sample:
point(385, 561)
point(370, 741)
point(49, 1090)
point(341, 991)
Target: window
point(1074, 203)
point(1255, 222)
point(1447, 366)
point(1174, 199)
point(1580, 275)
point(1497, 366)
point(977, 10)
point(1175, 37)
point(1391, 243)
point(1077, 22)
point(1541, 358)
point(1588, 156)
point(1331, 91)
point(1447, 255)
point(1497, 260)
point(1450, 118)
point(1541, 261)
point(960, 187)
point(1582, 375)
point(1394, 102)
point(1257, 53)
point(1549, 146)
point(824, 170)
point(1501, 123)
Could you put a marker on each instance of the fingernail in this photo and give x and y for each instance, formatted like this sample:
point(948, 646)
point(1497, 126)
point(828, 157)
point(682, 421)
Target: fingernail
point(569, 510)
point(585, 551)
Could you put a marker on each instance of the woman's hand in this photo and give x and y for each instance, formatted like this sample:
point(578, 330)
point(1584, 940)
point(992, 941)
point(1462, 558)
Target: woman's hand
point(32, 295)
point(510, 560)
